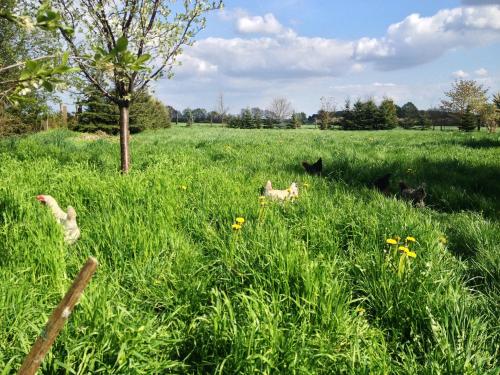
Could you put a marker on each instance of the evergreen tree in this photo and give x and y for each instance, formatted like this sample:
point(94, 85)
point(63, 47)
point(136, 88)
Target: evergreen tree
point(409, 115)
point(295, 122)
point(347, 121)
point(468, 120)
point(387, 115)
point(257, 121)
point(99, 113)
point(369, 115)
point(233, 121)
point(246, 121)
point(147, 112)
point(424, 121)
point(269, 121)
point(357, 115)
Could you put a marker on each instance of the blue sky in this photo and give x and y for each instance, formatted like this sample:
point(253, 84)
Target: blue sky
point(254, 51)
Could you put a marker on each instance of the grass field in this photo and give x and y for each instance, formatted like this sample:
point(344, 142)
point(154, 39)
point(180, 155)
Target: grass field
point(302, 288)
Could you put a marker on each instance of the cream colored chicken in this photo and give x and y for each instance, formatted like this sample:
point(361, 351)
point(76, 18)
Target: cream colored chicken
point(66, 219)
point(291, 193)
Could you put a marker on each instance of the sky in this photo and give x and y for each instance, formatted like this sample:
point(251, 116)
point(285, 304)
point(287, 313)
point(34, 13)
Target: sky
point(255, 51)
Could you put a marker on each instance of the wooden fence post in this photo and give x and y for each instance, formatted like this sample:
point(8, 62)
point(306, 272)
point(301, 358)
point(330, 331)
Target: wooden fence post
point(57, 319)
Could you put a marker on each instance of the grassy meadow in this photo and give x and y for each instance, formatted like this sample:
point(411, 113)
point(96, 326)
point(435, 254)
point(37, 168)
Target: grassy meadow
point(308, 287)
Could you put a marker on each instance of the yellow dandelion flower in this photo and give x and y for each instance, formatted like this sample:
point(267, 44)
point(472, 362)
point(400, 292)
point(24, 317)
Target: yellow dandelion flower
point(411, 254)
point(411, 239)
point(240, 220)
point(360, 310)
point(236, 226)
point(391, 241)
point(183, 187)
point(403, 249)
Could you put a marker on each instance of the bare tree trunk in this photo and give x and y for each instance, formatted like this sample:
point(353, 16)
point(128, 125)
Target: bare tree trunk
point(124, 137)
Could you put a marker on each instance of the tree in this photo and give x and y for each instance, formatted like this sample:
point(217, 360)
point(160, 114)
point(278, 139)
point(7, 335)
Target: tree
point(26, 65)
point(347, 121)
point(213, 116)
point(465, 93)
point(246, 119)
point(409, 115)
point(496, 104)
point(221, 108)
point(468, 120)
point(147, 112)
point(424, 121)
point(302, 117)
point(200, 115)
point(365, 115)
point(326, 113)
point(117, 56)
point(269, 121)
point(387, 117)
point(174, 114)
point(99, 113)
point(296, 121)
point(257, 115)
point(409, 110)
point(187, 114)
point(281, 109)
point(234, 121)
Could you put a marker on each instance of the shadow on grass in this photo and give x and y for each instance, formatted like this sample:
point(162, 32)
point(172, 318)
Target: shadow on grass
point(452, 186)
point(481, 143)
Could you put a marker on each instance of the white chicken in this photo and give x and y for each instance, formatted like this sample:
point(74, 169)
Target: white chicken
point(66, 219)
point(291, 193)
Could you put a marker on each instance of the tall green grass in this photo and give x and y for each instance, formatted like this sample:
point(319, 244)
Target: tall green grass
point(302, 288)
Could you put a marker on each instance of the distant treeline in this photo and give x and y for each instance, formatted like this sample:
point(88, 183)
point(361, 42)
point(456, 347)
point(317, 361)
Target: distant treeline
point(359, 116)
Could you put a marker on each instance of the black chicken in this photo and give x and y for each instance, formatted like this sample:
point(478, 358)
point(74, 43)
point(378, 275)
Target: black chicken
point(416, 196)
point(313, 169)
point(382, 183)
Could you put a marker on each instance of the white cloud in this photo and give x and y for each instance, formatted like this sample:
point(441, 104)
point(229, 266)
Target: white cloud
point(280, 57)
point(481, 72)
point(267, 24)
point(417, 40)
point(283, 53)
point(460, 74)
point(357, 68)
point(380, 84)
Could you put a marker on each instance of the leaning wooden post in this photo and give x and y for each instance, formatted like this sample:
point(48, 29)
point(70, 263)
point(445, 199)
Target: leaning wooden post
point(57, 319)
